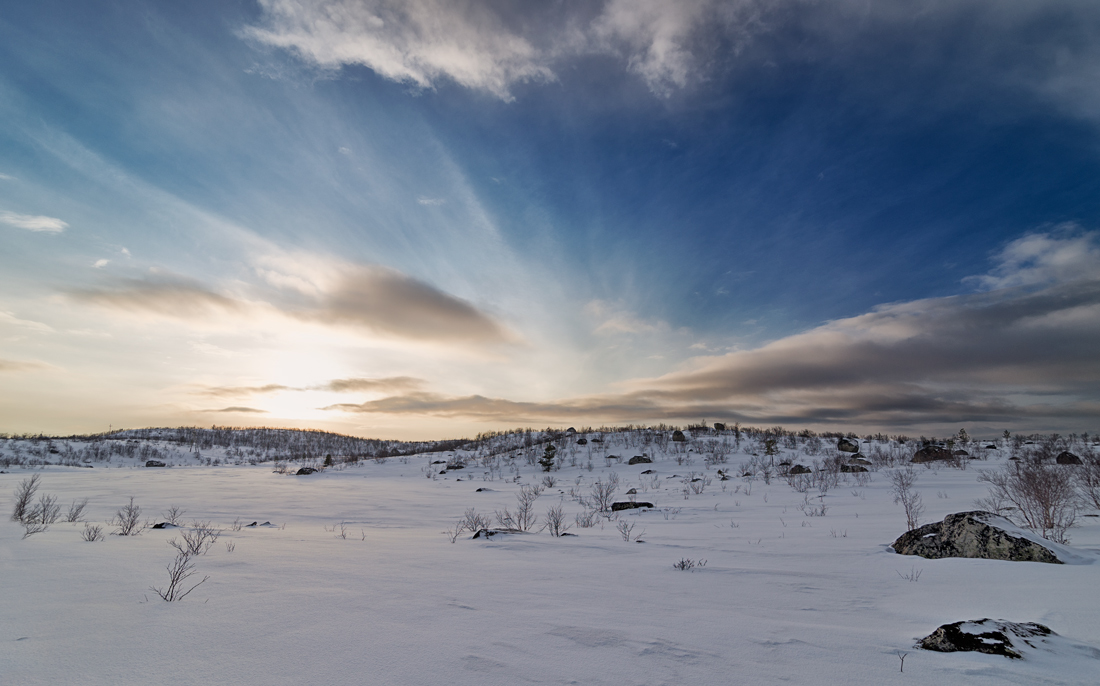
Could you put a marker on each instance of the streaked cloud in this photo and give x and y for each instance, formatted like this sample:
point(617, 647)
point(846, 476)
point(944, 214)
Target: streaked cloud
point(32, 222)
point(10, 319)
point(239, 410)
point(22, 365)
point(236, 391)
point(391, 303)
point(379, 299)
point(180, 298)
point(1012, 354)
point(388, 384)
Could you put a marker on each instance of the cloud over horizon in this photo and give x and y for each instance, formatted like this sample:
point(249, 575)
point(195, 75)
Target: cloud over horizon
point(1025, 350)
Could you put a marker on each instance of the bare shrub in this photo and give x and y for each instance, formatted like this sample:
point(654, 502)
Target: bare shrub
point(686, 565)
point(1043, 494)
point(24, 496)
point(586, 519)
point(198, 540)
point(603, 494)
point(809, 509)
point(1088, 480)
point(473, 521)
point(179, 571)
point(901, 484)
point(174, 515)
point(128, 520)
point(555, 521)
point(92, 532)
point(625, 530)
point(76, 511)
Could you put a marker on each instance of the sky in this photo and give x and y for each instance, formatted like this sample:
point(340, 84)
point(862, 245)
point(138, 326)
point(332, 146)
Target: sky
point(427, 219)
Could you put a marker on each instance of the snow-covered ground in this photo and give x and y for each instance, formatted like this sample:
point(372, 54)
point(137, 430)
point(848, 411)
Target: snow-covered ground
point(783, 597)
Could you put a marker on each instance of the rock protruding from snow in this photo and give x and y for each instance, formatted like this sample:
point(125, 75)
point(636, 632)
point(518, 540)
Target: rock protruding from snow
point(678, 436)
point(158, 463)
point(640, 459)
point(627, 505)
point(991, 636)
point(932, 453)
point(799, 469)
point(846, 446)
point(305, 471)
point(1066, 457)
point(975, 534)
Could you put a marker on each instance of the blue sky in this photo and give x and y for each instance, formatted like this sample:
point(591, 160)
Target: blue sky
point(426, 218)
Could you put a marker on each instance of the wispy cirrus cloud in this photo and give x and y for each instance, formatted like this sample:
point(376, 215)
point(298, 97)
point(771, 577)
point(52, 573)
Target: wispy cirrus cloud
point(31, 222)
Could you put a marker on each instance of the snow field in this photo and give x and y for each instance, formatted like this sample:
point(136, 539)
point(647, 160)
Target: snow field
point(783, 598)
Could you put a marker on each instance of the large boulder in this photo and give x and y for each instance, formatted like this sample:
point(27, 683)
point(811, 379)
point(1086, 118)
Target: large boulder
point(932, 453)
point(678, 436)
point(1066, 457)
point(305, 471)
point(640, 459)
point(975, 534)
point(719, 426)
point(990, 636)
point(846, 446)
point(158, 463)
point(799, 469)
point(852, 468)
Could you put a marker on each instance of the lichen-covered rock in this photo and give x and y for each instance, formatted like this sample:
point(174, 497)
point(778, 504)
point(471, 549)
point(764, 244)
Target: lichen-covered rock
point(846, 446)
point(932, 453)
point(991, 636)
point(973, 534)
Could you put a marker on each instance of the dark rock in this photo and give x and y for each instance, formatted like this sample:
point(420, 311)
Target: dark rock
point(649, 471)
point(253, 524)
point(1066, 457)
point(305, 471)
point(489, 533)
point(440, 462)
point(961, 453)
point(678, 436)
point(632, 491)
point(155, 463)
point(991, 447)
point(640, 459)
point(597, 440)
point(846, 446)
point(972, 534)
point(615, 507)
point(582, 441)
point(456, 466)
point(719, 426)
point(993, 637)
point(159, 525)
point(858, 459)
point(852, 468)
point(799, 469)
point(570, 430)
point(932, 453)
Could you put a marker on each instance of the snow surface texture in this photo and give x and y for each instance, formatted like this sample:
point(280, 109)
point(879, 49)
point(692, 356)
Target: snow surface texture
point(782, 598)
